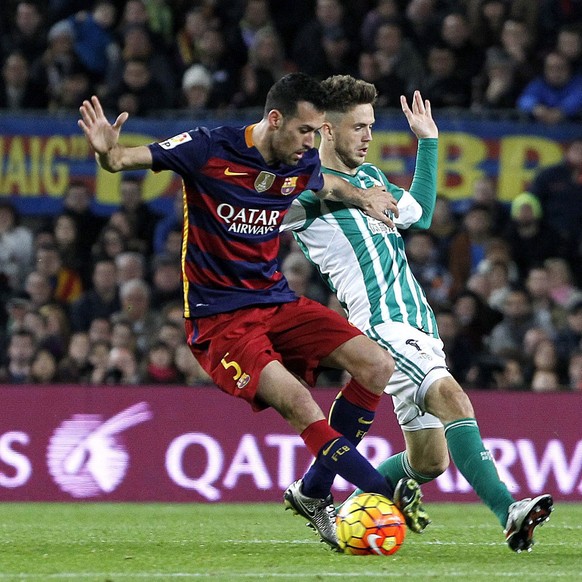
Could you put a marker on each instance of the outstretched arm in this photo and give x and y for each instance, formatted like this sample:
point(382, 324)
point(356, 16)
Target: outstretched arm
point(104, 139)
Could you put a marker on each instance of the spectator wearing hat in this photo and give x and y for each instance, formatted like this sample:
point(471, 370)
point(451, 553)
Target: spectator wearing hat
point(531, 242)
point(196, 89)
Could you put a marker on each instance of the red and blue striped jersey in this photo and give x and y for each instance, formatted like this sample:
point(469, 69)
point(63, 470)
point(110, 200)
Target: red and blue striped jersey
point(234, 204)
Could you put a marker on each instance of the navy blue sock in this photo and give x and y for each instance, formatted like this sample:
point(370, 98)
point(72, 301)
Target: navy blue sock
point(340, 457)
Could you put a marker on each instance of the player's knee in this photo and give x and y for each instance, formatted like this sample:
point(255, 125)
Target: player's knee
point(434, 467)
point(378, 371)
point(447, 400)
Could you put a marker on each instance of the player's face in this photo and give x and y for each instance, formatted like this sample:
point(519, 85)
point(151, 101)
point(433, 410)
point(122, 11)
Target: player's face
point(352, 135)
point(296, 135)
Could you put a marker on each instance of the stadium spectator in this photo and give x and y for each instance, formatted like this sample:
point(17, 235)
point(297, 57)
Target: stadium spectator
point(545, 358)
point(100, 301)
point(511, 376)
point(110, 243)
point(300, 275)
point(98, 358)
point(77, 201)
point(159, 367)
point(171, 333)
point(518, 46)
point(16, 249)
point(166, 279)
point(191, 372)
point(122, 367)
point(66, 282)
point(75, 254)
point(422, 20)
point(186, 44)
point(196, 90)
point(308, 49)
point(569, 44)
point(486, 18)
point(530, 241)
point(383, 11)
point(460, 355)
point(537, 284)
point(563, 289)
point(138, 310)
point(93, 37)
point(17, 90)
point(38, 289)
point(171, 221)
point(545, 381)
point(443, 227)
point(433, 277)
point(130, 265)
point(559, 189)
point(398, 62)
point(100, 330)
point(26, 34)
point(256, 16)
point(456, 34)
point(137, 45)
point(43, 367)
point(467, 248)
point(518, 317)
point(75, 367)
point(555, 95)
point(20, 353)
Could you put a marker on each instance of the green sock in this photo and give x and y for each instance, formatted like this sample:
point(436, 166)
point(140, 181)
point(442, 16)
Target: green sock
point(395, 468)
point(476, 465)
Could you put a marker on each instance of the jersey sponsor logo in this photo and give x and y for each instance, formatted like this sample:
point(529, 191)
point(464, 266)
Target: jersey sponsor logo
point(229, 172)
point(177, 140)
point(329, 447)
point(289, 185)
point(264, 181)
point(248, 220)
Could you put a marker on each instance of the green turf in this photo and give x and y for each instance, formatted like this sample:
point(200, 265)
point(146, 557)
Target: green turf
point(230, 543)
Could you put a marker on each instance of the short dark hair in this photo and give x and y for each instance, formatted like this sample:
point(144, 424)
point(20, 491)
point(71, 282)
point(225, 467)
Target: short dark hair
point(288, 91)
point(345, 92)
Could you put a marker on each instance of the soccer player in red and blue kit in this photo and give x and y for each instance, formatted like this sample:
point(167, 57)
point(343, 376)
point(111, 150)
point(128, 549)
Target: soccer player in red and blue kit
point(244, 325)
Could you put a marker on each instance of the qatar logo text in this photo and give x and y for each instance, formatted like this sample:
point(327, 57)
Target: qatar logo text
point(86, 455)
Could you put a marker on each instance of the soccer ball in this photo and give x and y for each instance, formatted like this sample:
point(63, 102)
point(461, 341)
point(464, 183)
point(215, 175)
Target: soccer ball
point(370, 524)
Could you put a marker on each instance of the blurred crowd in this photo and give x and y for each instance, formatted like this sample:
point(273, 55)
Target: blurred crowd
point(148, 56)
point(91, 299)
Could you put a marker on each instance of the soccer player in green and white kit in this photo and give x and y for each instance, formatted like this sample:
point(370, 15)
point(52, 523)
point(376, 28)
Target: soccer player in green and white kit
point(364, 262)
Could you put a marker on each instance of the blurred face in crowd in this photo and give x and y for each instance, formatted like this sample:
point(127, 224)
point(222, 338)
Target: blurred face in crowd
point(556, 70)
point(21, 349)
point(28, 18)
point(15, 71)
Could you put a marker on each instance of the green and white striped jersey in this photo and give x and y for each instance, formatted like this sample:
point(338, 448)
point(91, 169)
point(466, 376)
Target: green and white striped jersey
point(360, 258)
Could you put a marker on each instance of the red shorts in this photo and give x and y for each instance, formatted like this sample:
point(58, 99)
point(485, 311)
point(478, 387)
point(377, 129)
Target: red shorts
point(234, 347)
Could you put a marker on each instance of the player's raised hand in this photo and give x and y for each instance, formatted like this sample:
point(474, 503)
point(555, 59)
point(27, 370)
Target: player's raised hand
point(420, 116)
point(102, 136)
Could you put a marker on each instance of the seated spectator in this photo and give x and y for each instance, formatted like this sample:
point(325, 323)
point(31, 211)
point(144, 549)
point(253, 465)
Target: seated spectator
point(518, 317)
point(460, 355)
point(171, 333)
point(110, 243)
point(74, 253)
point(98, 359)
point(100, 301)
point(166, 280)
point(130, 265)
point(511, 376)
point(383, 11)
point(531, 242)
point(559, 189)
point(563, 290)
point(300, 275)
point(442, 84)
point(26, 33)
point(159, 367)
point(44, 367)
point(39, 290)
point(545, 381)
point(77, 201)
point(486, 18)
point(16, 249)
point(569, 44)
point(468, 246)
point(94, 41)
point(75, 367)
point(443, 227)
point(537, 283)
point(196, 90)
point(555, 95)
point(433, 277)
point(66, 283)
point(186, 43)
point(100, 330)
point(422, 20)
point(173, 220)
point(137, 309)
point(496, 86)
point(122, 367)
point(17, 90)
point(20, 352)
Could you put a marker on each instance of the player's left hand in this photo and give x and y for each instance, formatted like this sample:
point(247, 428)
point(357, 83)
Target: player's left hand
point(380, 204)
point(420, 116)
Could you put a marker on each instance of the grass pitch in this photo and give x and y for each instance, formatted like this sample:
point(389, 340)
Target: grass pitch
point(87, 542)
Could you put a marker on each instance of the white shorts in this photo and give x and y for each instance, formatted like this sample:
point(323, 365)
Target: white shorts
point(420, 361)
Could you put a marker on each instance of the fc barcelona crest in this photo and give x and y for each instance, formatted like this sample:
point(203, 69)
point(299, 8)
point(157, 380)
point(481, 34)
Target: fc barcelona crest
point(289, 186)
point(264, 181)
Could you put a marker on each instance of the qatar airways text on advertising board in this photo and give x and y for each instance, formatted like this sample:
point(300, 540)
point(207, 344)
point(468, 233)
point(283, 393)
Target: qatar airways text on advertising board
point(195, 444)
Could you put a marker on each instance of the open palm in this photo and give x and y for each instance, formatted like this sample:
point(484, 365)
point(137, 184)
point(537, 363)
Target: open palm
point(420, 116)
point(102, 136)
